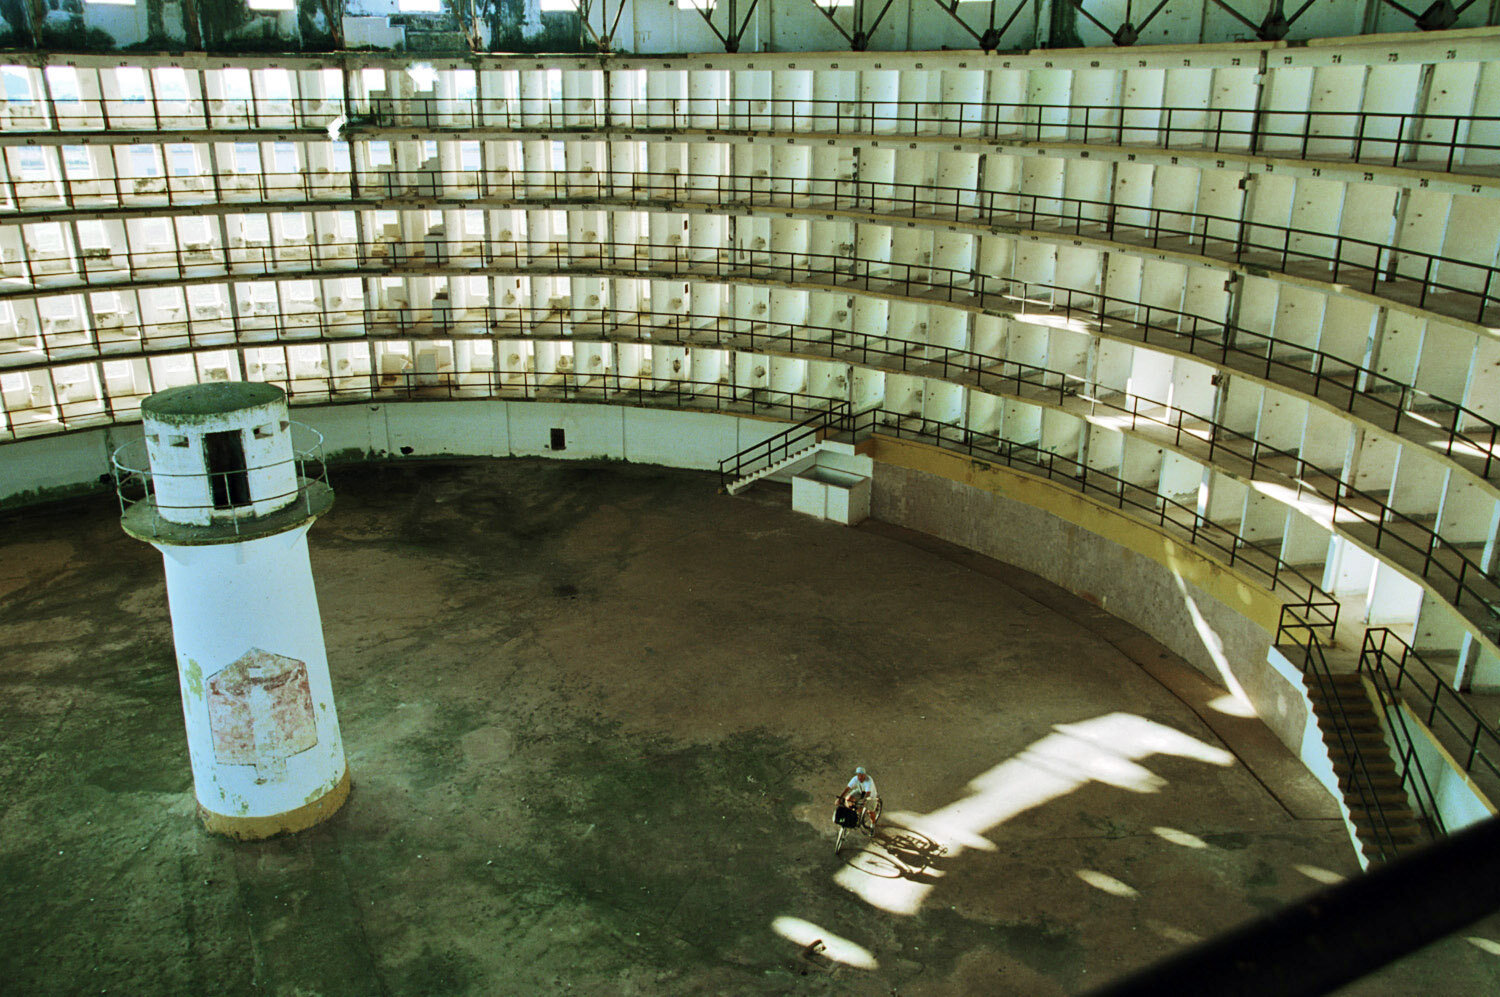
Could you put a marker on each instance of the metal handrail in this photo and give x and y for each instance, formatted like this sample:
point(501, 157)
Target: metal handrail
point(1397, 136)
point(1382, 261)
point(1343, 500)
point(752, 459)
point(1294, 631)
point(1025, 380)
point(135, 483)
point(1255, 353)
point(944, 361)
point(1411, 679)
point(1090, 481)
point(1412, 772)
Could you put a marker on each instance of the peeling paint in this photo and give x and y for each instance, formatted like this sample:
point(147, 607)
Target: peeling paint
point(192, 673)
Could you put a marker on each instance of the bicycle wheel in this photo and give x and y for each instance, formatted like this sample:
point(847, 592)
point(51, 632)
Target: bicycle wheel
point(839, 841)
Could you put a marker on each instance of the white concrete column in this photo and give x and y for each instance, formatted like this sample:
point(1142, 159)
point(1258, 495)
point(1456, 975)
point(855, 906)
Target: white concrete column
point(262, 729)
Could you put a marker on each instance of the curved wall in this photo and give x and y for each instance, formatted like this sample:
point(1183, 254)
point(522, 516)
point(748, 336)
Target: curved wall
point(1216, 617)
point(1248, 289)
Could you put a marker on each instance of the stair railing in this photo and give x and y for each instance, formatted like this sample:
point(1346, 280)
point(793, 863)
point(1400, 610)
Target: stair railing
point(805, 434)
point(1408, 763)
point(1412, 680)
point(1311, 611)
point(1292, 631)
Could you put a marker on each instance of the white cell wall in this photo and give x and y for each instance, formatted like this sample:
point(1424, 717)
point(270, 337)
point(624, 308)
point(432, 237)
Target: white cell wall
point(591, 261)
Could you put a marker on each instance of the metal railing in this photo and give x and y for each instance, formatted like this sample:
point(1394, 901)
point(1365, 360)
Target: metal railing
point(1473, 742)
point(1460, 432)
point(1409, 767)
point(251, 328)
point(1312, 611)
point(139, 487)
point(1146, 504)
point(1441, 140)
point(805, 434)
point(1361, 794)
point(1347, 507)
point(142, 113)
point(1440, 560)
point(1462, 288)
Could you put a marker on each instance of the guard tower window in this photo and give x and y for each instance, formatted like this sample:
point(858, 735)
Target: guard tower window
point(227, 474)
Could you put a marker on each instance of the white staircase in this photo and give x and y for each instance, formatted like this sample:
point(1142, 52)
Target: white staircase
point(792, 462)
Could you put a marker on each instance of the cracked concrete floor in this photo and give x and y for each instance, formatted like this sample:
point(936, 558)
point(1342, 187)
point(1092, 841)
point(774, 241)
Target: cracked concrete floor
point(596, 716)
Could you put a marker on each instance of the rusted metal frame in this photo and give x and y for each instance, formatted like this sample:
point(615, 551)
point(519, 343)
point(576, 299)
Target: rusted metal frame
point(1119, 35)
point(1238, 16)
point(1097, 23)
point(1409, 13)
point(615, 24)
point(878, 18)
point(585, 9)
point(1257, 28)
point(708, 19)
point(745, 23)
point(860, 37)
point(951, 9)
point(1303, 10)
point(1020, 6)
point(828, 13)
point(194, 34)
point(332, 9)
point(1157, 10)
point(604, 41)
point(733, 33)
point(1425, 20)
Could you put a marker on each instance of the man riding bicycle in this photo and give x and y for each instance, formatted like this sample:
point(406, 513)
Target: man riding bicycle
point(860, 794)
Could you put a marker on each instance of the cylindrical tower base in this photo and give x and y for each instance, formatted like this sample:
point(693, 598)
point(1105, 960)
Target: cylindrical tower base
point(255, 828)
point(257, 700)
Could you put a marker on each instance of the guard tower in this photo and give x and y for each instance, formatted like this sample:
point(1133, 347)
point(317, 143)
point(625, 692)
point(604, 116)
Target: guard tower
point(218, 487)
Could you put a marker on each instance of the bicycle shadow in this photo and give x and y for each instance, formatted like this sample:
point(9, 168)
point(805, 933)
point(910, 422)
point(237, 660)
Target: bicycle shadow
point(898, 852)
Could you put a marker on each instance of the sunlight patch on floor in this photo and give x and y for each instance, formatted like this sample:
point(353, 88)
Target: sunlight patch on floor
point(1177, 837)
point(1484, 944)
point(834, 947)
point(1319, 875)
point(1109, 884)
point(1105, 749)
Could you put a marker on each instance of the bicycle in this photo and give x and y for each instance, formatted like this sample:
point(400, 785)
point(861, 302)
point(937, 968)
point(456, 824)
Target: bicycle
point(864, 818)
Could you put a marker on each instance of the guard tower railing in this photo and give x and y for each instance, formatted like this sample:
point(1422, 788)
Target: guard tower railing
point(135, 488)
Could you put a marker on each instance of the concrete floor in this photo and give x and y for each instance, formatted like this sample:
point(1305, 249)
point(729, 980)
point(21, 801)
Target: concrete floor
point(596, 716)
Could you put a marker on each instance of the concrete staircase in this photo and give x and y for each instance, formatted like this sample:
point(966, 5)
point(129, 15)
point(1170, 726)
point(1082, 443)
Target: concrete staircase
point(746, 480)
point(1345, 701)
